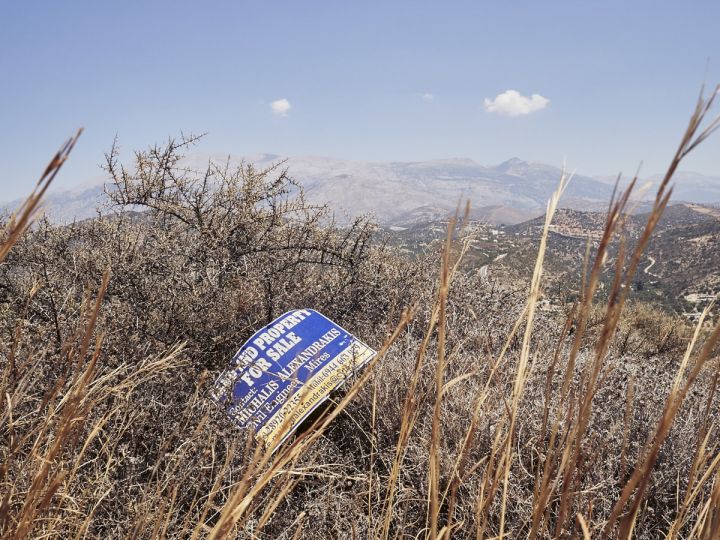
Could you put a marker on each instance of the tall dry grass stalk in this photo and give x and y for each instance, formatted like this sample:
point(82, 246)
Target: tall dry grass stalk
point(24, 216)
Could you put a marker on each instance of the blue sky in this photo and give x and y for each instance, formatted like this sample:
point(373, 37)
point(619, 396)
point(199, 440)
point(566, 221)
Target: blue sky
point(615, 80)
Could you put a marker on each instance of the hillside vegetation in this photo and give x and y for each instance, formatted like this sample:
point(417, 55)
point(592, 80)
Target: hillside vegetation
point(679, 271)
point(483, 415)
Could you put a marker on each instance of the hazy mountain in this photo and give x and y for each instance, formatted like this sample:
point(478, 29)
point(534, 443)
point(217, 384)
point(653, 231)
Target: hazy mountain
point(693, 187)
point(408, 192)
point(688, 186)
point(68, 205)
point(401, 191)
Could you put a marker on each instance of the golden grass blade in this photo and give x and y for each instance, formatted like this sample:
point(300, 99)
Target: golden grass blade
point(583, 526)
point(28, 210)
point(523, 368)
point(434, 466)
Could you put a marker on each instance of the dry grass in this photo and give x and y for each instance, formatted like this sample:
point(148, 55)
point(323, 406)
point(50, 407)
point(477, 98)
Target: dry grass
point(479, 418)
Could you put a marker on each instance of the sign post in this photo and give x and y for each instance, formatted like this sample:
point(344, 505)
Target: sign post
point(285, 371)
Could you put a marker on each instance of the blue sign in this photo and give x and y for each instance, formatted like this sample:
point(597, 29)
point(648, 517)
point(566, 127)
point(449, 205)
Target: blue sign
point(285, 371)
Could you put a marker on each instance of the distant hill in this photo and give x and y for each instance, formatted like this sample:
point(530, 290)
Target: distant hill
point(579, 224)
point(67, 206)
point(679, 271)
point(688, 186)
point(403, 193)
point(506, 193)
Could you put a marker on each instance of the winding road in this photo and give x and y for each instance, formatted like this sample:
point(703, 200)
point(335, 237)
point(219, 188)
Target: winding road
point(649, 266)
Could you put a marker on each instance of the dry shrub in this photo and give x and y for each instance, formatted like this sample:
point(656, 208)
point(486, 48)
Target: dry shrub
point(644, 330)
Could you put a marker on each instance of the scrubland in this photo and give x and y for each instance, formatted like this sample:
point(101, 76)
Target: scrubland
point(481, 417)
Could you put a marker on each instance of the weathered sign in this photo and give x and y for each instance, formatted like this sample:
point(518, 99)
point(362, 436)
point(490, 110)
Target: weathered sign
point(285, 370)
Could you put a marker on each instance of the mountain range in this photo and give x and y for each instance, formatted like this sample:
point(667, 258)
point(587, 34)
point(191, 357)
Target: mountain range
point(401, 193)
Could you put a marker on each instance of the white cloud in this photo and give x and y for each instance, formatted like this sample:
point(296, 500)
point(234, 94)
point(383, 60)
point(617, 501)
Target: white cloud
point(280, 107)
point(427, 96)
point(513, 103)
